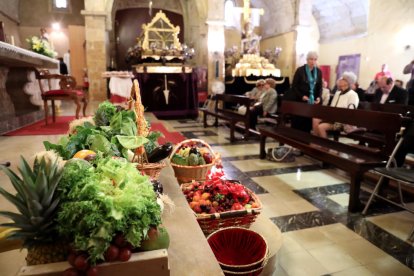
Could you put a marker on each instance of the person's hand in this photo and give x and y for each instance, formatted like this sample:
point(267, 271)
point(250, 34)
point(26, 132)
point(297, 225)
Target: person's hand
point(317, 101)
point(264, 113)
point(305, 98)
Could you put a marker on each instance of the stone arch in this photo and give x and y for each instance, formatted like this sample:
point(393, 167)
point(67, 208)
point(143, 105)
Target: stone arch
point(194, 16)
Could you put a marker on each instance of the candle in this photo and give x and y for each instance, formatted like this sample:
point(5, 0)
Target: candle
point(12, 40)
point(165, 81)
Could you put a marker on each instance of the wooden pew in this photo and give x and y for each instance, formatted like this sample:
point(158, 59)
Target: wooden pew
point(354, 160)
point(372, 138)
point(223, 104)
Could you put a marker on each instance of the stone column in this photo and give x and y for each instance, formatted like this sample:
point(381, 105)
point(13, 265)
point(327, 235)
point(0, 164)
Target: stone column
point(304, 40)
point(95, 35)
point(215, 41)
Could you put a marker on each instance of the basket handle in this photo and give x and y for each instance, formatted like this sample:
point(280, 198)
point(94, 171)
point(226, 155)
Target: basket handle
point(232, 214)
point(192, 140)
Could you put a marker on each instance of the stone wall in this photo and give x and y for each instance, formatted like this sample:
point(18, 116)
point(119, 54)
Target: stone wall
point(38, 13)
point(390, 30)
point(10, 8)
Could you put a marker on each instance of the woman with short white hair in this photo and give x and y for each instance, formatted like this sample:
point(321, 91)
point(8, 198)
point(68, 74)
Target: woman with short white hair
point(344, 97)
point(306, 88)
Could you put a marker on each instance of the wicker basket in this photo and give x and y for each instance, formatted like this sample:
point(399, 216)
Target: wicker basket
point(153, 170)
point(186, 174)
point(241, 218)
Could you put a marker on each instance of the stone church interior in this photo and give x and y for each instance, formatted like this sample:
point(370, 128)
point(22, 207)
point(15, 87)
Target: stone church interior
point(206, 137)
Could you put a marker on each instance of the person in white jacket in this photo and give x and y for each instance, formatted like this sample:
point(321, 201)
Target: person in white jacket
point(344, 97)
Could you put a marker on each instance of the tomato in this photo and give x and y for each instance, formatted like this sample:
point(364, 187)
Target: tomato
point(120, 240)
point(92, 271)
point(81, 263)
point(124, 255)
point(111, 253)
point(255, 205)
point(205, 196)
point(237, 206)
point(197, 209)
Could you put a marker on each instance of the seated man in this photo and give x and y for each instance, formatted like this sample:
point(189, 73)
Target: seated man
point(267, 103)
point(389, 93)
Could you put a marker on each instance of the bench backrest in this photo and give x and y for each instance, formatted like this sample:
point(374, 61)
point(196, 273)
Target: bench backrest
point(404, 110)
point(231, 100)
point(389, 124)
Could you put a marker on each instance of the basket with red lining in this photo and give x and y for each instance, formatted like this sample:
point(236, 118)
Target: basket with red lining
point(219, 203)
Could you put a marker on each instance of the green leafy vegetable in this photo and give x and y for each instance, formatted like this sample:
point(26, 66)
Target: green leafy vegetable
point(99, 202)
point(105, 112)
point(131, 142)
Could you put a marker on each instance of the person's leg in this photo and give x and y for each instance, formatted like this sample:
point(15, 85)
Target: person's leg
point(406, 147)
point(323, 128)
point(254, 114)
point(315, 124)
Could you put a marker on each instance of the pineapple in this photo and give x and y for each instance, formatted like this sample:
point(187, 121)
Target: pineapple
point(36, 202)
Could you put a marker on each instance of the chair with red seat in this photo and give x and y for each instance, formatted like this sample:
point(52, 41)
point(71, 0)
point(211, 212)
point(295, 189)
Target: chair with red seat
point(67, 91)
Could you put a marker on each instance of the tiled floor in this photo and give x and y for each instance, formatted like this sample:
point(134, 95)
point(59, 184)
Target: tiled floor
point(308, 204)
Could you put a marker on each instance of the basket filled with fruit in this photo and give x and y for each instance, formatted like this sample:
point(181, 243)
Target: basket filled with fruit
point(192, 159)
point(219, 203)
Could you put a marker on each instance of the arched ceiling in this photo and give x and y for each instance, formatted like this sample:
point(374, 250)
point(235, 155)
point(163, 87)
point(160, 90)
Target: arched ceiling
point(336, 19)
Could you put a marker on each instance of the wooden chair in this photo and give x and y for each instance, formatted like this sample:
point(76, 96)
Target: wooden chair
point(67, 91)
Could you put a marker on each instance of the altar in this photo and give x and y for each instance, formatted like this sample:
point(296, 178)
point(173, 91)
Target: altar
point(168, 85)
point(168, 91)
point(19, 90)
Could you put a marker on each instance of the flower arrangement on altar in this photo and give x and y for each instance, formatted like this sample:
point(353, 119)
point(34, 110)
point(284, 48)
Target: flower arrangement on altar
point(41, 46)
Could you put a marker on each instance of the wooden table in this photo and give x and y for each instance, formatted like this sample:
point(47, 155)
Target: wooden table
point(188, 253)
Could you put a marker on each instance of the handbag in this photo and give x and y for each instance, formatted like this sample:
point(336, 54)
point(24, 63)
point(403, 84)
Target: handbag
point(347, 128)
point(283, 154)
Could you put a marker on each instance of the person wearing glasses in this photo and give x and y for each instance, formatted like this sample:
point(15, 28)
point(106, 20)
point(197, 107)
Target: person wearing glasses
point(256, 92)
point(266, 104)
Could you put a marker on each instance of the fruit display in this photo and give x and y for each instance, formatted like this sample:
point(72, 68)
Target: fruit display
point(216, 195)
point(104, 209)
point(119, 250)
point(192, 153)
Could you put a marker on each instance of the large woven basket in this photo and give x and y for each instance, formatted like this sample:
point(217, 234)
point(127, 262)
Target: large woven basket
point(240, 218)
point(186, 174)
point(153, 170)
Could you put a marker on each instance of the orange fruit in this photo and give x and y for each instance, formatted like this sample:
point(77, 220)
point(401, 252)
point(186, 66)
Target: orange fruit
point(83, 153)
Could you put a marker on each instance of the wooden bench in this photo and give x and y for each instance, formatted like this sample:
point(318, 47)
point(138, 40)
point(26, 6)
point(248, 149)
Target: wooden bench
point(369, 137)
point(222, 110)
point(354, 160)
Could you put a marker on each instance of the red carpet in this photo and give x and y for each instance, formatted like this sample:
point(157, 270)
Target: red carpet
point(62, 125)
point(173, 137)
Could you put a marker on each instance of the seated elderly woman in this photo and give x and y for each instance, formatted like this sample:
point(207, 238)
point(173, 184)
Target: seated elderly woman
point(344, 97)
point(257, 91)
point(266, 104)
